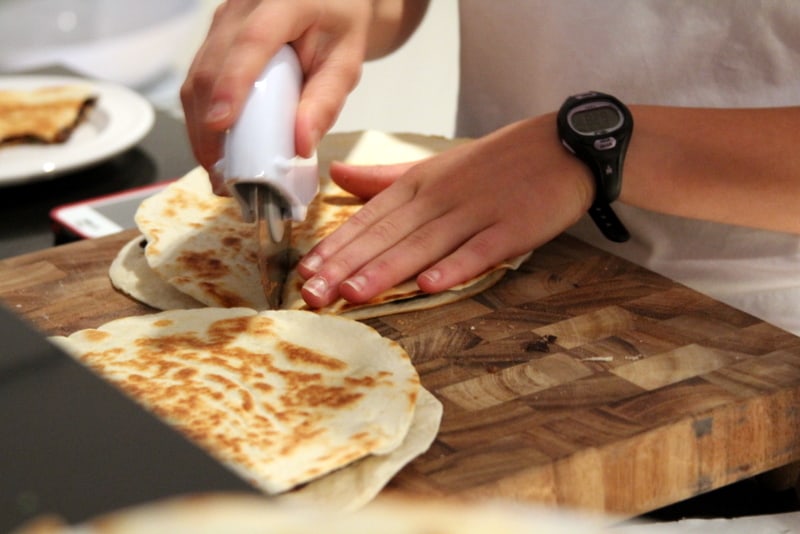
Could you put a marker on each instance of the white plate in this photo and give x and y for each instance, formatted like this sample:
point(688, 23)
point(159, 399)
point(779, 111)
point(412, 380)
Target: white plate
point(119, 120)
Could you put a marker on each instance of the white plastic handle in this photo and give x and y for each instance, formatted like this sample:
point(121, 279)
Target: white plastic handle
point(260, 148)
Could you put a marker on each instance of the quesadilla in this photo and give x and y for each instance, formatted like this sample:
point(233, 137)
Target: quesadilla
point(284, 398)
point(45, 115)
point(197, 243)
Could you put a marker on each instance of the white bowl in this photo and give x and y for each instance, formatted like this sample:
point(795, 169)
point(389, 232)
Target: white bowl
point(132, 42)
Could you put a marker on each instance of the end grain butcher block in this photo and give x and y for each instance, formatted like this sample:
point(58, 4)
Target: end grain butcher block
point(580, 380)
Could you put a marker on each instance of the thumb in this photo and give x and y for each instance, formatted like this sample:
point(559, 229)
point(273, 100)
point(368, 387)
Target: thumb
point(366, 181)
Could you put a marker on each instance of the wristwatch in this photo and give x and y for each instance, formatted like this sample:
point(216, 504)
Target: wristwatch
point(596, 128)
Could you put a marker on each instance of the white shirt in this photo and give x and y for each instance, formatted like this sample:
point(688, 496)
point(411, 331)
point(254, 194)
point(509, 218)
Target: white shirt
point(521, 58)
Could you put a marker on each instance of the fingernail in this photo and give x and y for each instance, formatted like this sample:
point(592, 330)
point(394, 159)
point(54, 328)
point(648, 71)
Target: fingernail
point(218, 185)
point(312, 262)
point(317, 286)
point(357, 283)
point(432, 276)
point(218, 111)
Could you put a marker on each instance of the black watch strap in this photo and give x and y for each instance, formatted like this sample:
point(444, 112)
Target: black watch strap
point(608, 222)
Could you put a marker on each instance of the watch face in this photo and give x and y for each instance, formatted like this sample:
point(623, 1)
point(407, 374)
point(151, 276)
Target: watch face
point(595, 118)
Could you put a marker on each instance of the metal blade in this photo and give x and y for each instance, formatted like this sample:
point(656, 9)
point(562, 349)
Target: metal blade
point(273, 232)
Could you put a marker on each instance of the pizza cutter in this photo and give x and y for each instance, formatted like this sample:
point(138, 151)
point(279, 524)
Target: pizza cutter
point(261, 169)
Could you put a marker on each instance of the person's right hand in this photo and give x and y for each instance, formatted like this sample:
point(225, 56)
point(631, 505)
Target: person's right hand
point(331, 42)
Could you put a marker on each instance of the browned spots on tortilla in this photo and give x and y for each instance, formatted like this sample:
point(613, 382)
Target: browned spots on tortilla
point(96, 335)
point(226, 330)
point(260, 325)
point(205, 265)
point(263, 386)
point(342, 200)
point(230, 210)
point(364, 381)
point(187, 373)
point(224, 382)
point(250, 255)
point(226, 299)
point(326, 214)
point(180, 200)
point(232, 242)
point(316, 395)
point(303, 432)
point(298, 354)
point(167, 345)
point(247, 400)
point(367, 440)
point(412, 398)
point(369, 381)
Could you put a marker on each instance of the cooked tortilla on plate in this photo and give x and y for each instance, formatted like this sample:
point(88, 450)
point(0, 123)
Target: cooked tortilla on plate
point(282, 397)
point(44, 115)
point(198, 244)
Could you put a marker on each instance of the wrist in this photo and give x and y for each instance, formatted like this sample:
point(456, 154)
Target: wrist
point(575, 175)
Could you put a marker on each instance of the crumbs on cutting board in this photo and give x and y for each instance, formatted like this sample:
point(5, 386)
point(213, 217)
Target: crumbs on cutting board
point(634, 357)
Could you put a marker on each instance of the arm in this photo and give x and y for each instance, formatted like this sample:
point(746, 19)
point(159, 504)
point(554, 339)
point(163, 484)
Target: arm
point(393, 22)
point(737, 166)
point(452, 216)
point(332, 40)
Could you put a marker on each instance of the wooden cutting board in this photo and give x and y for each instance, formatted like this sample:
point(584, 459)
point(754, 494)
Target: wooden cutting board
point(580, 380)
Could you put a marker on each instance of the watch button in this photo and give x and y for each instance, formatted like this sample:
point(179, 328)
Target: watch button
point(605, 143)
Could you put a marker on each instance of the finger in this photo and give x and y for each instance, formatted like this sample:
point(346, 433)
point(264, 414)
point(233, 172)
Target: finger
point(357, 242)
point(218, 184)
point(365, 219)
point(255, 42)
point(328, 82)
point(481, 252)
point(206, 145)
point(415, 252)
point(366, 181)
point(201, 78)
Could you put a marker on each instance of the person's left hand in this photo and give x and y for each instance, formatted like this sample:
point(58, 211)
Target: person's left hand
point(449, 218)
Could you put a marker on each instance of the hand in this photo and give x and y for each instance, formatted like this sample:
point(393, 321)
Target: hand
point(450, 217)
point(330, 39)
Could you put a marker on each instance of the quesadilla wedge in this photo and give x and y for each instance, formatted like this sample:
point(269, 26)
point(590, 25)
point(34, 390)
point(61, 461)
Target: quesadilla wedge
point(44, 115)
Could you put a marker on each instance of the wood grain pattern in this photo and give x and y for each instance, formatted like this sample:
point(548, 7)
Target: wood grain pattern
point(581, 380)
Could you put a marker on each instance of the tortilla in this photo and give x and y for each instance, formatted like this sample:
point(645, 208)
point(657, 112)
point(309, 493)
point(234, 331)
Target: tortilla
point(198, 243)
point(352, 487)
point(281, 397)
point(44, 115)
point(131, 274)
point(248, 514)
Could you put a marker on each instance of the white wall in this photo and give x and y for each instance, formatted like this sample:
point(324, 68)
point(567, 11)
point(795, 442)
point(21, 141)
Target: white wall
point(411, 90)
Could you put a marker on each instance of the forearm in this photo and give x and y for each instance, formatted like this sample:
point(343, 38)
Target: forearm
point(733, 166)
point(393, 22)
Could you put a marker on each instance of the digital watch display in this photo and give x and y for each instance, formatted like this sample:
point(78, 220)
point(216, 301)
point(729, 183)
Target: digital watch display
point(596, 128)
